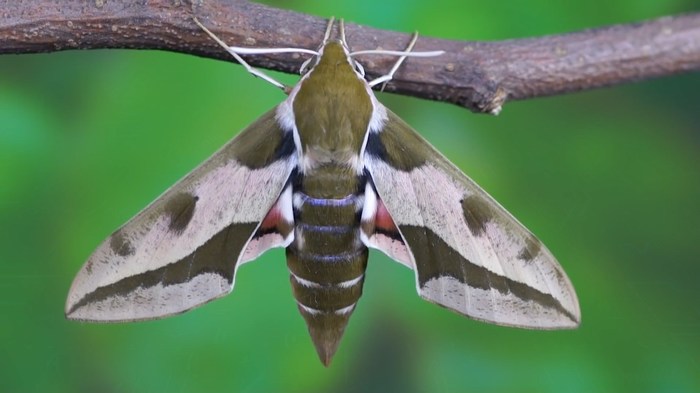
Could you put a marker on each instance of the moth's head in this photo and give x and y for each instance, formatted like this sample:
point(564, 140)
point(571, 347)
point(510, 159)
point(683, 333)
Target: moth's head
point(334, 51)
point(337, 52)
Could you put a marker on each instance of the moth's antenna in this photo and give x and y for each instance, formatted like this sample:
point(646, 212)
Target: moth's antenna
point(342, 32)
point(329, 28)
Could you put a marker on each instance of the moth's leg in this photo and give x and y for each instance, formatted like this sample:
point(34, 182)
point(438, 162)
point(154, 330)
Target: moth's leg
point(384, 79)
point(234, 53)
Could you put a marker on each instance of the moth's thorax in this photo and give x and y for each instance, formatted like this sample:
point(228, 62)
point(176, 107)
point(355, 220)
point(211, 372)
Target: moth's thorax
point(332, 110)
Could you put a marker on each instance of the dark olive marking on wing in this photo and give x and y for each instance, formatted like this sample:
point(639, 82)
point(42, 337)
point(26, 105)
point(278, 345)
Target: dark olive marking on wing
point(180, 209)
point(477, 212)
point(393, 235)
point(532, 248)
point(434, 259)
point(375, 147)
point(218, 255)
point(254, 152)
point(120, 244)
point(265, 231)
point(398, 145)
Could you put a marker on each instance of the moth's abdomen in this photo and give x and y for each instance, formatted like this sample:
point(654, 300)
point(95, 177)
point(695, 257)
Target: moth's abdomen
point(327, 259)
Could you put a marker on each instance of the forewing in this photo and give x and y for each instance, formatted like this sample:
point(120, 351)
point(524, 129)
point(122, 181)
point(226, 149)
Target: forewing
point(470, 255)
point(183, 249)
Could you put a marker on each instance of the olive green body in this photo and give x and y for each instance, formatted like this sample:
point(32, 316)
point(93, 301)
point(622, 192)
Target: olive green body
point(327, 258)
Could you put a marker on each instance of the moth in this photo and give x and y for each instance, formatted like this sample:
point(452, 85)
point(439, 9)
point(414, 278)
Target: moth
point(327, 174)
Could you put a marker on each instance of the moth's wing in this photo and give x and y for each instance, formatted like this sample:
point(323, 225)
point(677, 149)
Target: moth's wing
point(184, 248)
point(469, 254)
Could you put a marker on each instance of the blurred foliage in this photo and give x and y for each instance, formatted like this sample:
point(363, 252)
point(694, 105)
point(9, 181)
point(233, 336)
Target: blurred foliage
point(609, 179)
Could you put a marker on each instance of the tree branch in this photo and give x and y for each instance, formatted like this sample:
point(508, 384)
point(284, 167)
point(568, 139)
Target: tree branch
point(480, 76)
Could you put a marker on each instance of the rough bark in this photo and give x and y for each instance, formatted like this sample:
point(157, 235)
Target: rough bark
point(480, 76)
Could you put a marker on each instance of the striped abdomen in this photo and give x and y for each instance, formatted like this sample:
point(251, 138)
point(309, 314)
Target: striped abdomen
point(327, 259)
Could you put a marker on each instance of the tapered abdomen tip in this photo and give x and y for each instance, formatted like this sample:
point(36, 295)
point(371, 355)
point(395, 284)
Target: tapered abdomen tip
point(326, 343)
point(326, 330)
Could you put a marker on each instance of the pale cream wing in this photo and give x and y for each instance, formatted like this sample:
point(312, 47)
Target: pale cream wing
point(470, 255)
point(183, 249)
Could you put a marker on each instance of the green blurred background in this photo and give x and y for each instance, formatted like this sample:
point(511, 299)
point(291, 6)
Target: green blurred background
point(608, 179)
